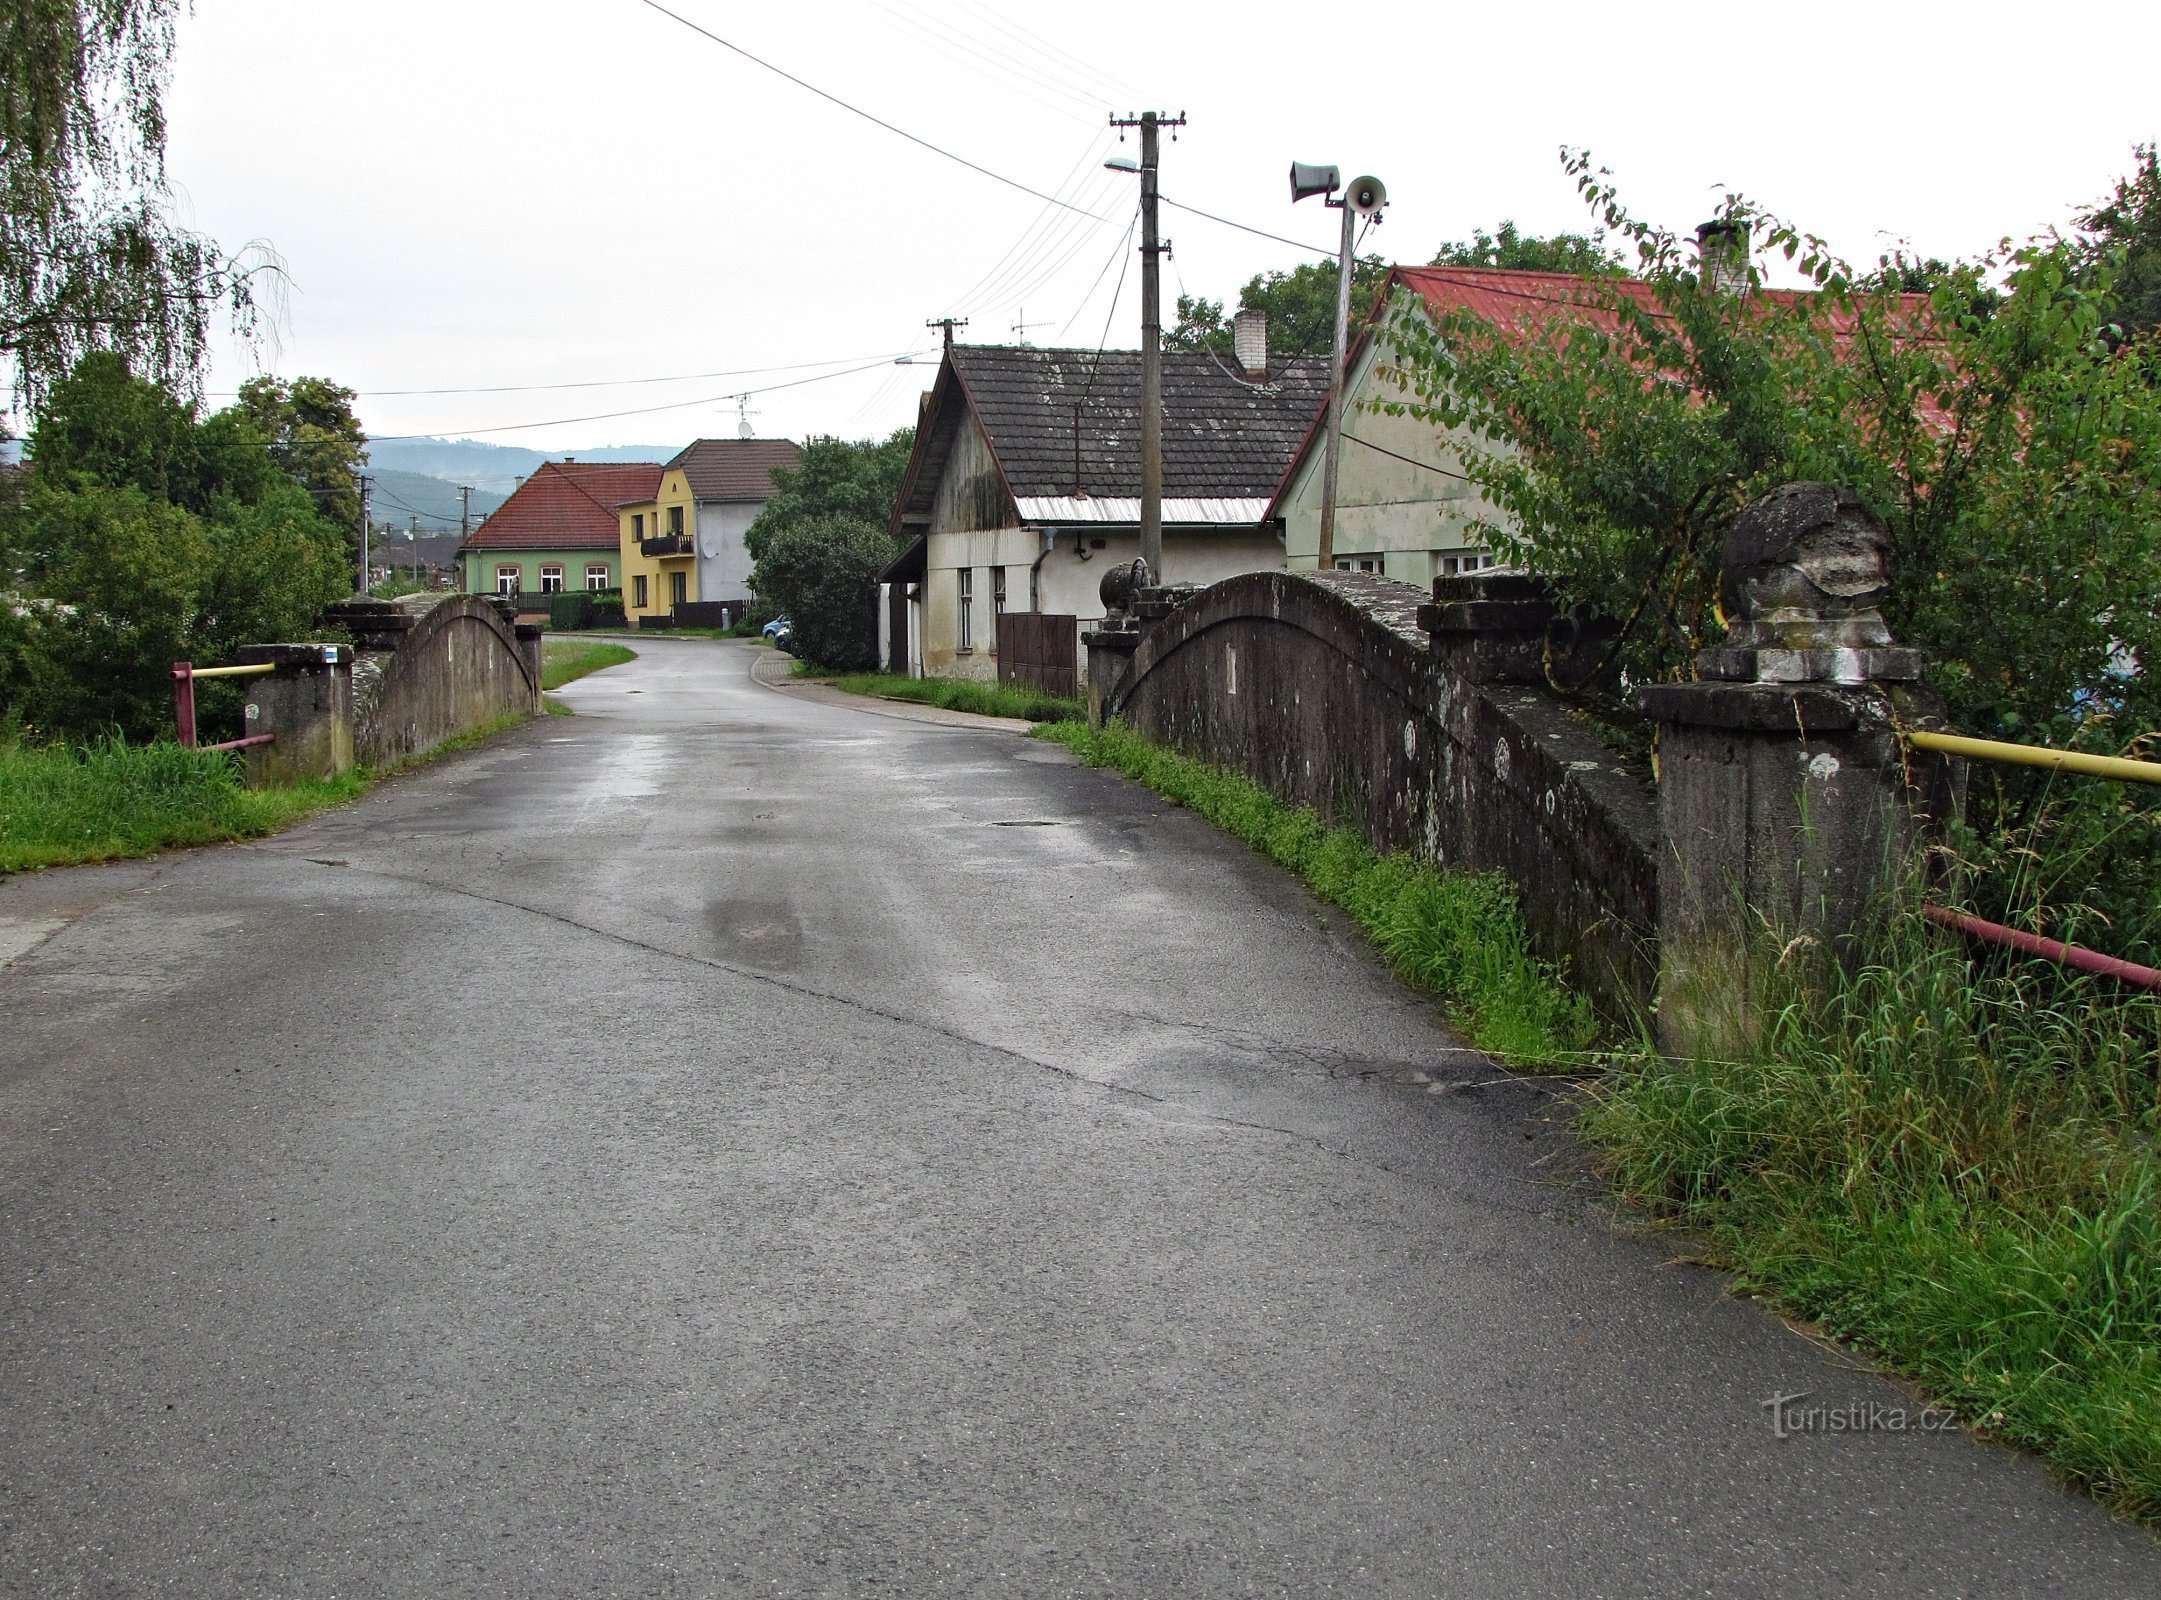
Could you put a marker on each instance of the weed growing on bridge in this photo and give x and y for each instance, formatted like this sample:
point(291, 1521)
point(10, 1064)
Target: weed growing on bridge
point(1453, 934)
point(61, 806)
point(1950, 1161)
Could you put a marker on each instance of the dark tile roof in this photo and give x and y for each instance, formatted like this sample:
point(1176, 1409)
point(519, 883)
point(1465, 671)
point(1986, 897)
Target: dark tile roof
point(735, 469)
point(1223, 435)
point(567, 505)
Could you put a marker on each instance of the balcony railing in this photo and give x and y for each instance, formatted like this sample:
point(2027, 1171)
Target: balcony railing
point(668, 544)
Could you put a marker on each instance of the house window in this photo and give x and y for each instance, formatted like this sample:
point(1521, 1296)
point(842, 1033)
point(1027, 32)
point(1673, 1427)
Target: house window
point(551, 580)
point(678, 588)
point(506, 580)
point(675, 519)
point(997, 604)
point(966, 577)
point(637, 524)
point(637, 591)
point(596, 575)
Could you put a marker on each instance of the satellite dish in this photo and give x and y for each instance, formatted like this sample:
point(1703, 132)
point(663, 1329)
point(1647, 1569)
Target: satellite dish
point(708, 546)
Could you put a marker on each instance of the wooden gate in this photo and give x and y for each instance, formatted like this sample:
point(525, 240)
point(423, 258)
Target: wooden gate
point(1036, 648)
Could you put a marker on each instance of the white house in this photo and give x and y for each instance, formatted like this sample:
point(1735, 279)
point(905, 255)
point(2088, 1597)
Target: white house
point(1025, 486)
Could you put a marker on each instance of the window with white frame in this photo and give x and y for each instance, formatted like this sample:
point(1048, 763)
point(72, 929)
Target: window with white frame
point(506, 580)
point(551, 580)
point(596, 575)
point(965, 587)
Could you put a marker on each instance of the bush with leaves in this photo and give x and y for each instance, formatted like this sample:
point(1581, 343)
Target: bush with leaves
point(823, 575)
point(2008, 439)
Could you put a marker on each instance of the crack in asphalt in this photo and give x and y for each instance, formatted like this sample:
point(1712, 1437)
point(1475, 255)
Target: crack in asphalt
point(940, 1030)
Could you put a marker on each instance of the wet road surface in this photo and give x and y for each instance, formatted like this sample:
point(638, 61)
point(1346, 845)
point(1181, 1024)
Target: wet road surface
point(726, 1143)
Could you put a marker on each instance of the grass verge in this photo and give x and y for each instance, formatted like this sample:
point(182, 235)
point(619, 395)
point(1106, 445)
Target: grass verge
point(1453, 934)
point(956, 694)
point(1948, 1161)
point(567, 660)
point(65, 807)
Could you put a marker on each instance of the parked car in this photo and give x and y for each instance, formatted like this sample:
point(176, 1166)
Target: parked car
point(778, 626)
point(784, 641)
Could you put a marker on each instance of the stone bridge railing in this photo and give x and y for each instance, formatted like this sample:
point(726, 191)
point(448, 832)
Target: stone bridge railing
point(423, 669)
point(1784, 797)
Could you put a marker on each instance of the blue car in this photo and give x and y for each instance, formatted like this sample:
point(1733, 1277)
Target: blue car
point(776, 627)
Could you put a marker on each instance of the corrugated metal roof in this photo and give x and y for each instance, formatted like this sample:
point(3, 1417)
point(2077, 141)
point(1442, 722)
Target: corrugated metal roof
point(1241, 511)
point(567, 505)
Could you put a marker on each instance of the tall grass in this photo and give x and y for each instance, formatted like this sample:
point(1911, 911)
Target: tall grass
point(567, 660)
point(961, 694)
point(1949, 1160)
point(61, 806)
point(1453, 934)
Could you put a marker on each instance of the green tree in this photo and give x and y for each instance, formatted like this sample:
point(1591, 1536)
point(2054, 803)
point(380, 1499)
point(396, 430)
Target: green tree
point(314, 438)
point(89, 255)
point(2014, 457)
point(1582, 254)
point(1301, 307)
point(822, 572)
point(2127, 228)
point(857, 480)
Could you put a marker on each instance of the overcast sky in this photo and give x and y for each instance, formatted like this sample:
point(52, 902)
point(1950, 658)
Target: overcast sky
point(492, 193)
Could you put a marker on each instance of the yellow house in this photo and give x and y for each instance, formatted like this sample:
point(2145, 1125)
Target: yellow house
point(660, 551)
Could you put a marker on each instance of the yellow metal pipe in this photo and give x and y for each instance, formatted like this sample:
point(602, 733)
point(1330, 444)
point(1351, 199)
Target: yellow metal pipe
point(231, 672)
point(2120, 768)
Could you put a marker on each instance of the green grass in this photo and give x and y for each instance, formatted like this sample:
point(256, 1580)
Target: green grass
point(956, 694)
point(1947, 1161)
point(567, 660)
point(64, 807)
point(1453, 934)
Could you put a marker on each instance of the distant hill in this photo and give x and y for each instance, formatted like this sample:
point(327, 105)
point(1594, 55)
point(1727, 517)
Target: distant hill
point(398, 497)
point(497, 468)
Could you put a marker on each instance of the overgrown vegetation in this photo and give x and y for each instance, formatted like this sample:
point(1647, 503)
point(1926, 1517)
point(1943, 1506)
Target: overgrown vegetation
point(2003, 428)
point(1951, 1161)
point(61, 806)
point(1455, 935)
point(960, 694)
point(567, 660)
point(147, 532)
point(821, 540)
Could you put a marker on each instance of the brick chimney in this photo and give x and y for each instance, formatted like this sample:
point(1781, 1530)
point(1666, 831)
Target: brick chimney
point(1722, 256)
point(1249, 342)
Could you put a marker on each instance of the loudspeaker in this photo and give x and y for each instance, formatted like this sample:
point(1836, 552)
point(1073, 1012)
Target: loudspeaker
point(1307, 180)
point(1366, 196)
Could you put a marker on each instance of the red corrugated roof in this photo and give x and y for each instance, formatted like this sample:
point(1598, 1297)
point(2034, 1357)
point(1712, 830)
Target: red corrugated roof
point(568, 505)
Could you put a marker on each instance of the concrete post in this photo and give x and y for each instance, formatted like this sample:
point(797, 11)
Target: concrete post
point(529, 647)
point(308, 703)
point(1786, 797)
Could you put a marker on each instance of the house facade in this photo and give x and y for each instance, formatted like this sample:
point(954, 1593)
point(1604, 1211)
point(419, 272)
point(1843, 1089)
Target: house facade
point(1024, 487)
point(557, 531)
point(683, 544)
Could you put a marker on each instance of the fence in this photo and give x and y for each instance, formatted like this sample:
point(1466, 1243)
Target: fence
point(184, 675)
point(1039, 649)
point(2117, 768)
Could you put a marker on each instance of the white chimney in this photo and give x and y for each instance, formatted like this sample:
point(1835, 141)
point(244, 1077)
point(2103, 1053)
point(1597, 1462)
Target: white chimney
point(1722, 252)
point(1249, 341)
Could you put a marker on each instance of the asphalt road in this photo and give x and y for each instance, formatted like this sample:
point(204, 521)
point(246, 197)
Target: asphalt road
point(727, 1143)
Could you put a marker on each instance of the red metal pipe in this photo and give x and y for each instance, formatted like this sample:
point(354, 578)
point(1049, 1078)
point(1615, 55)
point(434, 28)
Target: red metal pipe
point(184, 702)
point(2032, 944)
point(242, 744)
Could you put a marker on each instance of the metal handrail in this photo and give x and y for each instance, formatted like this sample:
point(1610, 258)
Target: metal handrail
point(184, 675)
point(2121, 768)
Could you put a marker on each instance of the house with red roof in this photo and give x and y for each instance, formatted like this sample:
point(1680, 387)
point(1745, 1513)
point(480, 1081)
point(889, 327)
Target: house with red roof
point(682, 540)
point(558, 530)
point(1405, 507)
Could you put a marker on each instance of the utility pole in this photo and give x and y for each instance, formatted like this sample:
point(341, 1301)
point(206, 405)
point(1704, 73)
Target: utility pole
point(366, 483)
point(465, 512)
point(1152, 252)
point(949, 324)
point(1325, 557)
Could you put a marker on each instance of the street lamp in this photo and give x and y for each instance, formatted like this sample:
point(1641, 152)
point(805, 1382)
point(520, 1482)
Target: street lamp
point(1364, 198)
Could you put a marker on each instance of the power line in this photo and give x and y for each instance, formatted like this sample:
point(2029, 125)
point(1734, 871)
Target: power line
point(639, 411)
point(1117, 254)
point(856, 110)
point(1258, 233)
point(603, 383)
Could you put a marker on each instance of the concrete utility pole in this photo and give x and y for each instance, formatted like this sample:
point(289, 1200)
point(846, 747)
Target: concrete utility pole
point(949, 324)
point(465, 512)
point(365, 483)
point(1152, 252)
point(1326, 556)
